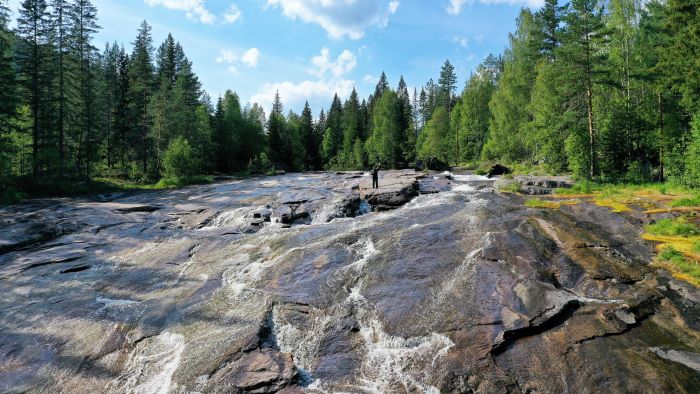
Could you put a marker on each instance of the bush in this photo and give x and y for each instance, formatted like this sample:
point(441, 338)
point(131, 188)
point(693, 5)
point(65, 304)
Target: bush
point(179, 161)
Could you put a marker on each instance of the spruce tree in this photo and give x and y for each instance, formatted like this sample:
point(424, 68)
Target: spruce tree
point(333, 132)
point(447, 84)
point(276, 131)
point(33, 28)
point(351, 132)
point(140, 91)
point(585, 67)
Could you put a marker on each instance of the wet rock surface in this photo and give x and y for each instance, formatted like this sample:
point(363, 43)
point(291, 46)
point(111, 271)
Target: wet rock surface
point(291, 284)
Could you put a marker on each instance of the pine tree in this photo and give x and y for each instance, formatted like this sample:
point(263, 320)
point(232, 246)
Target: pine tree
point(33, 27)
point(276, 131)
point(140, 91)
point(510, 99)
point(549, 19)
point(351, 132)
point(309, 139)
point(333, 132)
point(9, 96)
point(585, 66)
point(383, 145)
point(447, 84)
point(471, 116)
point(678, 62)
point(62, 22)
point(407, 134)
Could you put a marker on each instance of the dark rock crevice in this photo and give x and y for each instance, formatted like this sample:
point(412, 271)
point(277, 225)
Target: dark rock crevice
point(510, 337)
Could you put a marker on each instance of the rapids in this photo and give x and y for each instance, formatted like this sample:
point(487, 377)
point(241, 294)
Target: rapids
point(296, 283)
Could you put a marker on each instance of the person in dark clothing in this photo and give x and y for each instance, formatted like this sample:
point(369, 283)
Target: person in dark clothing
point(375, 177)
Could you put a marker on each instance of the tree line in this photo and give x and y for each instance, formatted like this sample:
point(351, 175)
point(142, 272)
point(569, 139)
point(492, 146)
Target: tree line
point(605, 89)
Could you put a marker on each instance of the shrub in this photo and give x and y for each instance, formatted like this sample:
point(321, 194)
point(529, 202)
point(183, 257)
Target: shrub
point(179, 161)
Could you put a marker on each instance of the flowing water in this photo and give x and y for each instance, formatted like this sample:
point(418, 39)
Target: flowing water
point(171, 291)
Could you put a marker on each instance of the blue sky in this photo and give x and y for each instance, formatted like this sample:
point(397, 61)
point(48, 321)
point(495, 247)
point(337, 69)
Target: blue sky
point(310, 49)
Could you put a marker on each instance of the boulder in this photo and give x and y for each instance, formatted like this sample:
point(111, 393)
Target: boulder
point(264, 371)
point(498, 170)
point(395, 190)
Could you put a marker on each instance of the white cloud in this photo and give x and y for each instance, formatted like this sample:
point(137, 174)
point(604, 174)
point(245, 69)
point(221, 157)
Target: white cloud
point(345, 63)
point(250, 57)
point(462, 41)
point(393, 6)
point(232, 14)
point(369, 78)
point(340, 18)
point(226, 56)
point(294, 94)
point(330, 79)
point(454, 7)
point(194, 9)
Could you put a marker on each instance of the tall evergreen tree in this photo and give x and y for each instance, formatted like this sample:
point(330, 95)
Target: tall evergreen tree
point(276, 131)
point(586, 67)
point(33, 27)
point(447, 84)
point(140, 91)
point(83, 26)
point(333, 132)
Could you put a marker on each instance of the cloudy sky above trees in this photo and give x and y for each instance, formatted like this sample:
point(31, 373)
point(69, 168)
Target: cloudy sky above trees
point(311, 49)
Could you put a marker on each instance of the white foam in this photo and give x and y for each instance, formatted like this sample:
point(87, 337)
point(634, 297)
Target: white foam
point(151, 367)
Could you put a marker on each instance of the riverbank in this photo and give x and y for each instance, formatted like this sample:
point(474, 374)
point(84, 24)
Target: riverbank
point(668, 215)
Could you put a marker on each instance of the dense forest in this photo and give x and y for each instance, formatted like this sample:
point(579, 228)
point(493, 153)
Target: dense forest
point(603, 89)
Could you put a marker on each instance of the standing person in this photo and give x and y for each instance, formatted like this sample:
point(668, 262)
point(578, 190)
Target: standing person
point(375, 177)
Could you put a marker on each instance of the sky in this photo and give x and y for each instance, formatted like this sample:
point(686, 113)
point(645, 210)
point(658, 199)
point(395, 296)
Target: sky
point(312, 49)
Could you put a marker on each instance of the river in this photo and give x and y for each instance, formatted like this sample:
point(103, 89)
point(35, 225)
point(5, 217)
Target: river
point(296, 283)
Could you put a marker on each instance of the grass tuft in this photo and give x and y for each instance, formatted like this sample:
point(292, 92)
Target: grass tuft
point(682, 267)
point(673, 227)
point(686, 202)
point(511, 187)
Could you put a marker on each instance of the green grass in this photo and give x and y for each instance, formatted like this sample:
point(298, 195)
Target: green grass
point(673, 227)
point(688, 269)
point(537, 203)
point(686, 202)
point(512, 187)
point(169, 183)
point(696, 247)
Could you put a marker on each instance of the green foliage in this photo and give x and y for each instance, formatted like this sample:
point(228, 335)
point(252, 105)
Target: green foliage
point(692, 163)
point(384, 144)
point(179, 160)
point(439, 141)
point(550, 126)
point(673, 227)
point(470, 117)
point(510, 100)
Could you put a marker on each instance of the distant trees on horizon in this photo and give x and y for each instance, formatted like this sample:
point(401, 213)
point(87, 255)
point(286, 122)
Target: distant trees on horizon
point(605, 89)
